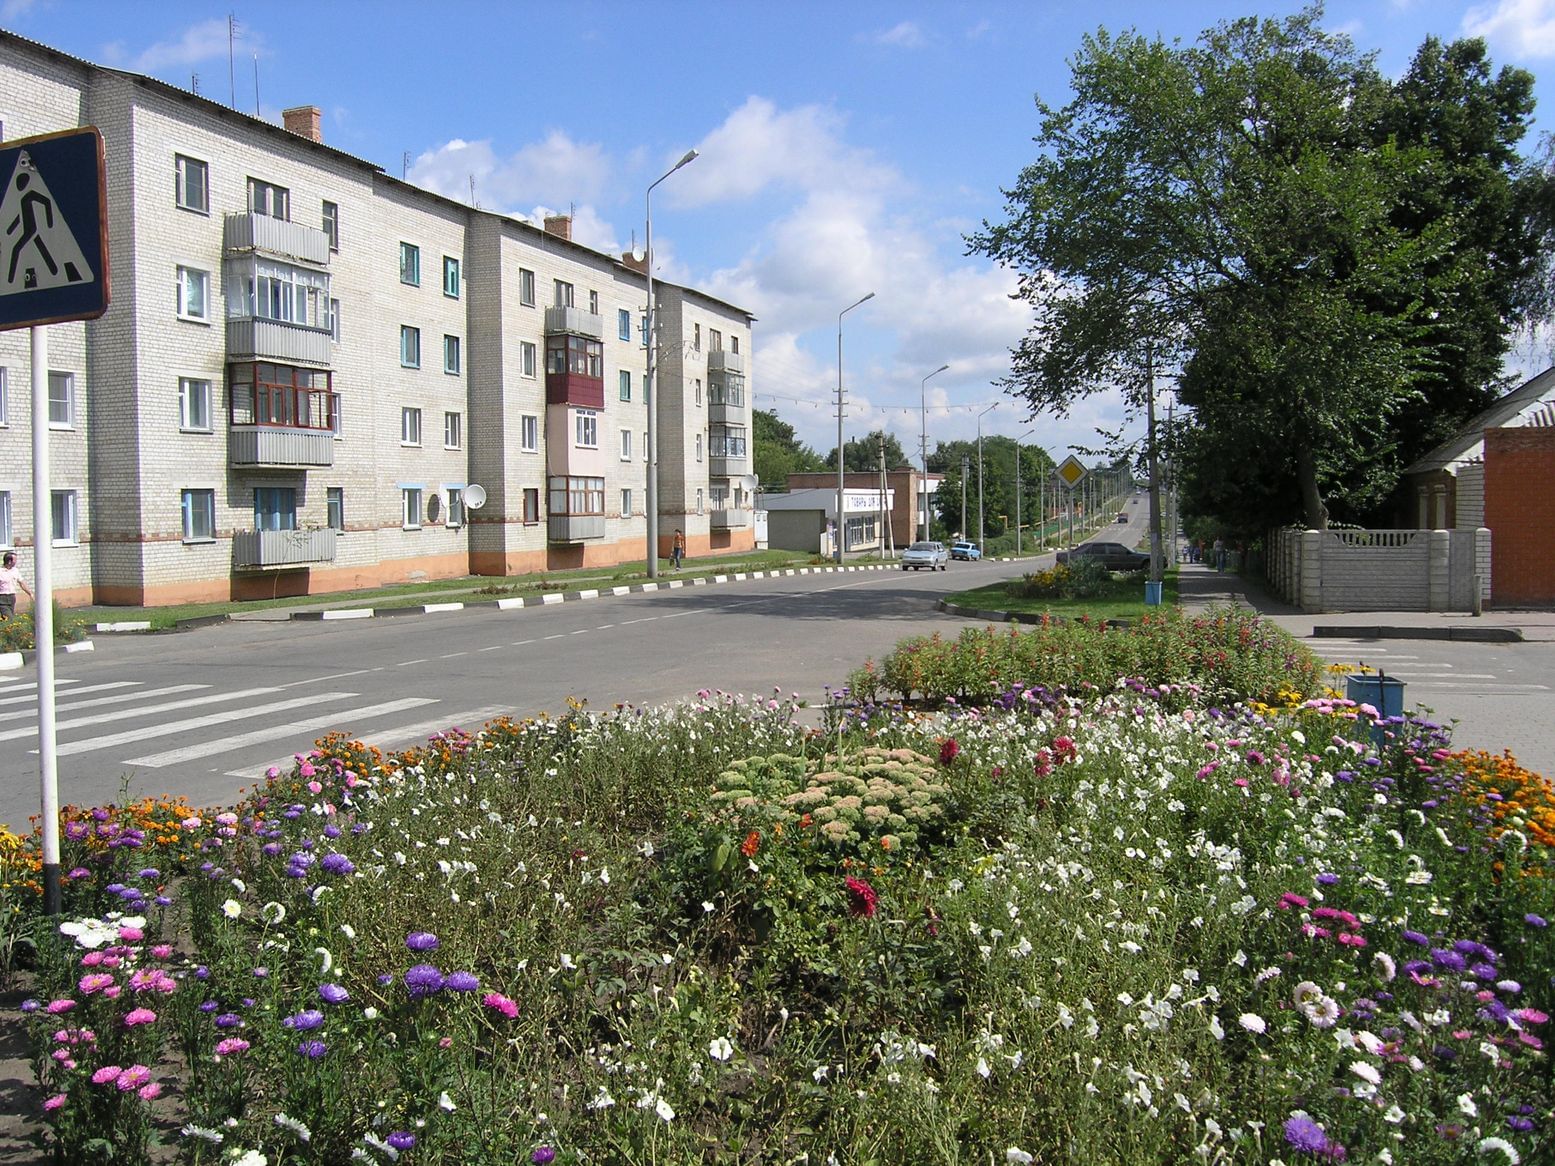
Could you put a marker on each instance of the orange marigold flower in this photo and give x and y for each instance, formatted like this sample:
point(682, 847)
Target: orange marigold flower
point(751, 844)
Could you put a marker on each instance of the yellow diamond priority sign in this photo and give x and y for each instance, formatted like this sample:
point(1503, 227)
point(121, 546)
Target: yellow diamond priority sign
point(1071, 471)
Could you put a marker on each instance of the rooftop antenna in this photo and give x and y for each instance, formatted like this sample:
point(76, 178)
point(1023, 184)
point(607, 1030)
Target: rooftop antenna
point(405, 165)
point(232, 77)
point(256, 84)
point(473, 203)
point(194, 84)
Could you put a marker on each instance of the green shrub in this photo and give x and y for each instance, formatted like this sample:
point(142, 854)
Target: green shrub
point(1080, 579)
point(17, 634)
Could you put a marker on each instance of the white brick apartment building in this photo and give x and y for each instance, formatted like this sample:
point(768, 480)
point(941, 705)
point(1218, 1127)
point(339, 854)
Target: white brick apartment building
point(306, 364)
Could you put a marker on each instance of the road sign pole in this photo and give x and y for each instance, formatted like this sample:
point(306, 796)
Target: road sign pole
point(43, 618)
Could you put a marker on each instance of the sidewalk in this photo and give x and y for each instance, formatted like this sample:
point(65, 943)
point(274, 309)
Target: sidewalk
point(1200, 586)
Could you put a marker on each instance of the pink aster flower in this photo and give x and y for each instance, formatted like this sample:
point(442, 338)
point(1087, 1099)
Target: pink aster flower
point(54, 1103)
point(149, 1092)
point(139, 1016)
point(500, 1003)
point(107, 1075)
point(55, 1007)
point(94, 982)
point(133, 1078)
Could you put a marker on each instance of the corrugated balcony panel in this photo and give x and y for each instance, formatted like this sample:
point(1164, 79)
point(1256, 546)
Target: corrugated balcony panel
point(262, 550)
point(722, 358)
point(728, 519)
point(575, 321)
point(570, 388)
point(566, 528)
point(252, 232)
point(728, 467)
point(253, 338)
point(721, 412)
point(269, 445)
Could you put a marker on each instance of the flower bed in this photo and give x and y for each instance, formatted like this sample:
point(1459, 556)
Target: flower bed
point(1124, 921)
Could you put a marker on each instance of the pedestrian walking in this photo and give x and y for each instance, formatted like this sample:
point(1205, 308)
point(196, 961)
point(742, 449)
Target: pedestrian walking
point(1220, 554)
point(10, 580)
point(678, 549)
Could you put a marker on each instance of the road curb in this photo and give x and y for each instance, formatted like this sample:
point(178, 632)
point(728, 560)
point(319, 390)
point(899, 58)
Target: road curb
point(1467, 634)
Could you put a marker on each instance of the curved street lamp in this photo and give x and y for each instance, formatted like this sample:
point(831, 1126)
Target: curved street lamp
point(841, 523)
point(923, 444)
point(650, 341)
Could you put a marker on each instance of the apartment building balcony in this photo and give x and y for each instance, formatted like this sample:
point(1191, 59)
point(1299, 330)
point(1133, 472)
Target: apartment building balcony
point(728, 519)
point(564, 319)
point(726, 406)
point(255, 232)
point(255, 338)
point(729, 465)
point(570, 528)
point(722, 360)
point(279, 447)
point(266, 550)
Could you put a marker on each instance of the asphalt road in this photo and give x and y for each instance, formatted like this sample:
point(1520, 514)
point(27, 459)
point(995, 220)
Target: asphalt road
point(203, 713)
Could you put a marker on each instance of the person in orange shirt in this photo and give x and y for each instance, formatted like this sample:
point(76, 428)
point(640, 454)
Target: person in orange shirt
point(678, 549)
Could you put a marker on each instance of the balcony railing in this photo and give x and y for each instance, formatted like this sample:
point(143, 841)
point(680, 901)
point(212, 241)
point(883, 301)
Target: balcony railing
point(270, 445)
point(728, 519)
point(574, 321)
point(251, 232)
point(568, 528)
point(254, 338)
point(722, 358)
point(727, 466)
point(262, 550)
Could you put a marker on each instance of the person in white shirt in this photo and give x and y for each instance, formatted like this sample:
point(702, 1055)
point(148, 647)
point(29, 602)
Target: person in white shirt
point(10, 580)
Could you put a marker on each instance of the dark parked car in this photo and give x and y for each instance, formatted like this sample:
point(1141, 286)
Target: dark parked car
point(1113, 556)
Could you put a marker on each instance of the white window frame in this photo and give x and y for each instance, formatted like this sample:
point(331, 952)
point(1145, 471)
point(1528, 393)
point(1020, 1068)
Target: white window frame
point(529, 359)
point(64, 518)
point(194, 405)
point(182, 164)
point(626, 445)
point(699, 447)
point(529, 433)
point(67, 398)
point(410, 507)
point(266, 198)
point(196, 308)
point(696, 338)
point(451, 268)
point(410, 346)
point(5, 399)
point(699, 500)
point(453, 355)
point(593, 302)
point(624, 384)
point(626, 502)
point(410, 425)
point(329, 219)
point(563, 292)
point(335, 500)
point(645, 445)
point(199, 510)
point(453, 430)
point(585, 429)
point(455, 516)
point(526, 287)
point(410, 264)
point(531, 503)
point(334, 320)
point(699, 389)
point(5, 519)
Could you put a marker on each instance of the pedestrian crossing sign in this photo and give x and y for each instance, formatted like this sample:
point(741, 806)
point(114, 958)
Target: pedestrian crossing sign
point(53, 229)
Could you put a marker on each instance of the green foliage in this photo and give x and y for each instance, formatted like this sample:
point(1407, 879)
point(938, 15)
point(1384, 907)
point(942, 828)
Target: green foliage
point(779, 452)
point(19, 634)
point(1080, 578)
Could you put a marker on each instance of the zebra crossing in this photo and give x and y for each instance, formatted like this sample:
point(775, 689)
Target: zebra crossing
point(1424, 666)
point(123, 721)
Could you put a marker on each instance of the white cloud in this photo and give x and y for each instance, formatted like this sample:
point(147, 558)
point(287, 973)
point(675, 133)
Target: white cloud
point(13, 10)
point(1527, 26)
point(556, 171)
point(205, 41)
point(906, 35)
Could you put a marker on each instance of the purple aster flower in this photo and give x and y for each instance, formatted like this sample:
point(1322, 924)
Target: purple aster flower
point(308, 1018)
point(421, 941)
point(312, 1049)
point(229, 1020)
point(149, 872)
point(337, 864)
point(1450, 960)
point(1327, 879)
point(1304, 1134)
point(1535, 920)
point(1521, 1124)
point(543, 1156)
point(1483, 972)
point(462, 982)
point(385, 980)
point(208, 1006)
point(423, 980)
point(1416, 938)
point(401, 1139)
point(333, 994)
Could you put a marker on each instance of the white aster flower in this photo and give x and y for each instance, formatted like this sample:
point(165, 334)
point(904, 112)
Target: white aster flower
point(1501, 1145)
point(1017, 1156)
point(1466, 1106)
point(232, 909)
point(1366, 1072)
point(720, 1049)
point(1252, 1022)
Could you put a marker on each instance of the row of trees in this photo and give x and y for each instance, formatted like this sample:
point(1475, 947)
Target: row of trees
point(1329, 263)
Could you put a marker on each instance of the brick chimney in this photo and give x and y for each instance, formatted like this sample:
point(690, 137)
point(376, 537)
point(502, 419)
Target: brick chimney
point(305, 121)
point(638, 263)
point(560, 226)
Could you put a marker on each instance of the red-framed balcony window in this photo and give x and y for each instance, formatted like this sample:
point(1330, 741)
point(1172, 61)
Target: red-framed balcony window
point(280, 395)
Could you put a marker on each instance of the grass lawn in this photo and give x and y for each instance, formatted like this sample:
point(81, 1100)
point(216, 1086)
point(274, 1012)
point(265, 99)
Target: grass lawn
point(1124, 598)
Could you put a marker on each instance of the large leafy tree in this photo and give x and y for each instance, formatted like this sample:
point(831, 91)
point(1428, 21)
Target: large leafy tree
point(1250, 211)
point(862, 455)
point(779, 452)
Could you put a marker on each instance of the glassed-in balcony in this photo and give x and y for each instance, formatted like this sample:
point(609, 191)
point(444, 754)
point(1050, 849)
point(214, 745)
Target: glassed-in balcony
point(263, 550)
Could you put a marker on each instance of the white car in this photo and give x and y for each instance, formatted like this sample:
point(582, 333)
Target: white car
point(921, 555)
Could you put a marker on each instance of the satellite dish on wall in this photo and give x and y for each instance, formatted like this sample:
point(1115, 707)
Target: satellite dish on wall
point(474, 496)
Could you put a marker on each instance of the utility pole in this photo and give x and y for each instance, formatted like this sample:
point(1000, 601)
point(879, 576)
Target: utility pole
point(966, 468)
point(1152, 467)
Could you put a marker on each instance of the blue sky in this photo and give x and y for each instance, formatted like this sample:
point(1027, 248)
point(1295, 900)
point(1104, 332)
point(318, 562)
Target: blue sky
point(846, 148)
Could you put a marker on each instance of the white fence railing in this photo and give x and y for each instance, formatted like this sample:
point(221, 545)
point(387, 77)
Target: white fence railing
point(1381, 570)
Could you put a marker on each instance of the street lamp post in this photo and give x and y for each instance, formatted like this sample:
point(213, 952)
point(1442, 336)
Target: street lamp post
point(980, 416)
point(1018, 440)
point(841, 521)
point(923, 446)
point(651, 501)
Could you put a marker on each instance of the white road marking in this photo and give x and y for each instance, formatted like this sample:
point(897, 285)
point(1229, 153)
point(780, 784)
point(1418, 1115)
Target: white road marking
point(96, 702)
point(207, 748)
point(128, 714)
point(168, 728)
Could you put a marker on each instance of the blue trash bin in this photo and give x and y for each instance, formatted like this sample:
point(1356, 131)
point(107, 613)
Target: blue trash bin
point(1152, 593)
point(1383, 693)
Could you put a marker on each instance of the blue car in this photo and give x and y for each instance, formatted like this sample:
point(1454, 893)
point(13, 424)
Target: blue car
point(968, 552)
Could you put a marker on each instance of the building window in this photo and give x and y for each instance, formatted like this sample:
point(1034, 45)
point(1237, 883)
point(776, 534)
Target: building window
point(645, 445)
point(699, 447)
point(266, 198)
point(699, 499)
point(594, 302)
point(410, 516)
point(529, 433)
point(715, 340)
point(734, 345)
point(586, 429)
point(626, 503)
point(199, 511)
point(626, 384)
point(194, 404)
point(623, 323)
point(278, 291)
point(642, 329)
point(453, 430)
point(410, 264)
point(5, 400)
point(451, 363)
point(696, 337)
point(62, 400)
point(410, 346)
point(261, 393)
point(450, 276)
point(526, 287)
point(332, 225)
point(698, 383)
point(336, 425)
point(191, 184)
point(727, 440)
point(63, 518)
point(194, 294)
point(410, 426)
point(528, 358)
point(626, 445)
point(455, 506)
point(334, 320)
point(275, 508)
point(5, 519)
point(335, 508)
point(579, 356)
point(576, 497)
point(531, 504)
point(563, 294)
